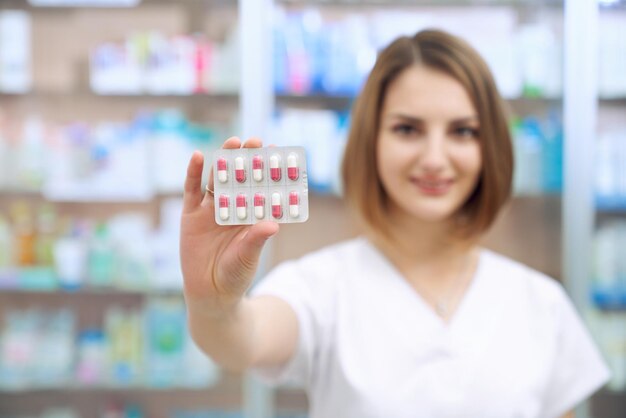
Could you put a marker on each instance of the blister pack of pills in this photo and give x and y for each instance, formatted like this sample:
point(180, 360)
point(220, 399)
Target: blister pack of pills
point(256, 184)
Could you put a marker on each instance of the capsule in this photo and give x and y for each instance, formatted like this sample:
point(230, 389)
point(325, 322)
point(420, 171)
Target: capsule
point(293, 172)
point(224, 210)
point(275, 173)
point(257, 168)
point(241, 205)
point(222, 170)
point(294, 205)
point(277, 209)
point(240, 170)
point(259, 205)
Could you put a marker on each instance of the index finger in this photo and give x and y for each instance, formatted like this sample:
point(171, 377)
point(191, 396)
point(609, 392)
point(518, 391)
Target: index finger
point(192, 195)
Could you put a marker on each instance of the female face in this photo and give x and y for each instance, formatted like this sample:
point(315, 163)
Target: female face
point(428, 150)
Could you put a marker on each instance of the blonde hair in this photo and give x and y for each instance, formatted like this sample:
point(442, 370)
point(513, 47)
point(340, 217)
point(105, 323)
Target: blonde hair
point(441, 51)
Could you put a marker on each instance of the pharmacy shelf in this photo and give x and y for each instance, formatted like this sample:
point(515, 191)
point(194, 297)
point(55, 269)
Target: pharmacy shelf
point(423, 3)
point(331, 101)
point(24, 4)
point(19, 194)
point(326, 101)
point(556, 4)
point(343, 102)
point(338, 101)
point(99, 389)
point(87, 94)
point(619, 101)
point(226, 384)
point(14, 193)
point(225, 95)
point(90, 291)
point(90, 402)
point(537, 195)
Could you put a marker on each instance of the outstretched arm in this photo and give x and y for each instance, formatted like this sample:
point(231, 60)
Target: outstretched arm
point(218, 264)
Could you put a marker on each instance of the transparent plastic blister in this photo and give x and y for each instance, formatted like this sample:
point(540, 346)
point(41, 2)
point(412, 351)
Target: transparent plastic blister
point(257, 184)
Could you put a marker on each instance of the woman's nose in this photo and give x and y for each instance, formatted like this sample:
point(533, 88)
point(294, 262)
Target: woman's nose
point(433, 156)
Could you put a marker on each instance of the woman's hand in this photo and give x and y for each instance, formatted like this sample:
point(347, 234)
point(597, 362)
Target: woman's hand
point(218, 262)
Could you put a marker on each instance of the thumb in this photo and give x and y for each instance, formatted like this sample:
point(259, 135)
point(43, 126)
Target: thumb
point(252, 243)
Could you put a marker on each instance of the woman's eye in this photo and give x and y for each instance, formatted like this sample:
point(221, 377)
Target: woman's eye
point(404, 129)
point(466, 132)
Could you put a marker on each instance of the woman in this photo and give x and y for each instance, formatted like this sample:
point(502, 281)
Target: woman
point(412, 319)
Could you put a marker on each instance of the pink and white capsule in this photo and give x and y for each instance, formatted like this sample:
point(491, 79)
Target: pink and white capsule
point(259, 205)
point(294, 205)
point(240, 170)
point(222, 170)
point(275, 173)
point(293, 172)
point(224, 207)
point(241, 205)
point(257, 168)
point(277, 209)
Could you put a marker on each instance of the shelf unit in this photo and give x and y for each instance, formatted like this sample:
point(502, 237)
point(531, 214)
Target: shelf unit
point(62, 39)
point(227, 395)
point(583, 111)
point(90, 291)
point(562, 229)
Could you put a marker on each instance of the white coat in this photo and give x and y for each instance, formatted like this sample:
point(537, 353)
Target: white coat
point(370, 347)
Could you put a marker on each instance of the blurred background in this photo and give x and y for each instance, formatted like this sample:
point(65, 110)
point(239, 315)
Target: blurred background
point(103, 101)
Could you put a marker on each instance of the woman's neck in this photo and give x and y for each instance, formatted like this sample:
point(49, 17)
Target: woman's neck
point(423, 248)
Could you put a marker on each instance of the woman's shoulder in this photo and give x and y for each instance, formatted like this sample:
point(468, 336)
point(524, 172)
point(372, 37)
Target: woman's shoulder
point(523, 280)
point(317, 273)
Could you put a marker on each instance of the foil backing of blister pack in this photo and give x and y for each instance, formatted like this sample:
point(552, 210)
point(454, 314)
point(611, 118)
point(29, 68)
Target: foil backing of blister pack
point(257, 184)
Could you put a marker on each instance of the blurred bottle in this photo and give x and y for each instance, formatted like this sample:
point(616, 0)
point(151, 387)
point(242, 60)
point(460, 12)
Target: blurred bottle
point(60, 413)
point(552, 153)
point(46, 235)
point(131, 235)
point(15, 51)
point(31, 154)
point(70, 258)
point(605, 258)
point(4, 154)
point(124, 330)
point(101, 258)
point(24, 235)
point(18, 347)
point(55, 348)
point(165, 324)
point(298, 59)
point(91, 357)
point(113, 410)
point(133, 411)
point(527, 143)
point(6, 245)
point(279, 51)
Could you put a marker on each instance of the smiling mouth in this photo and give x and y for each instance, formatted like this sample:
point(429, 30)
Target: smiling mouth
point(432, 187)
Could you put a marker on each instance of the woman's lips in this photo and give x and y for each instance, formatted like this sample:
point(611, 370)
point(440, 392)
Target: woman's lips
point(433, 187)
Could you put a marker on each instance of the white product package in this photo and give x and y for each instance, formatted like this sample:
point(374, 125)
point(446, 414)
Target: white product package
point(256, 184)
